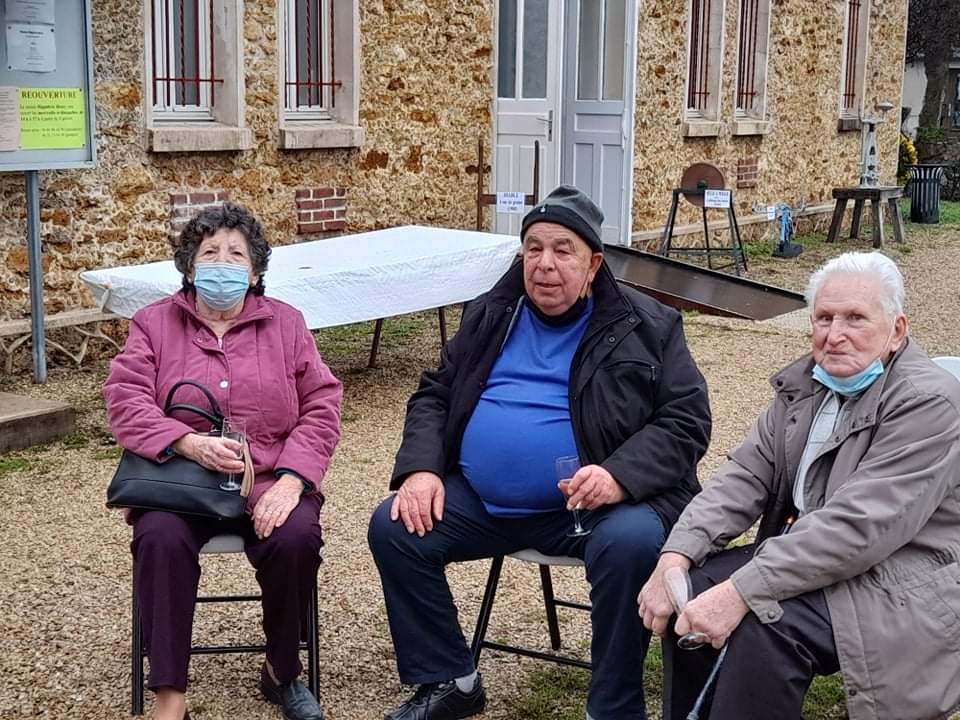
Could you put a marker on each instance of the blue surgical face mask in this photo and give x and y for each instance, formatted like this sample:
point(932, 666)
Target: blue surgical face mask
point(853, 385)
point(221, 285)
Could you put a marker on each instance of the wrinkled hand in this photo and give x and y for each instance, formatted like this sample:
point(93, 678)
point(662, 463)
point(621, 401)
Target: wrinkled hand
point(419, 502)
point(214, 453)
point(716, 612)
point(654, 599)
point(275, 505)
point(591, 487)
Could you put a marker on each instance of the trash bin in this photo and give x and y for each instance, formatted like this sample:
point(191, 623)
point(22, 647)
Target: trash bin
point(925, 193)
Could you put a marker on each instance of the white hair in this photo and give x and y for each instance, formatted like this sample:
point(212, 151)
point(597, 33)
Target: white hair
point(874, 264)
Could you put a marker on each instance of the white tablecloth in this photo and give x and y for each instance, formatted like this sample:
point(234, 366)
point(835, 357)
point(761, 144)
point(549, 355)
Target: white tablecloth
point(345, 279)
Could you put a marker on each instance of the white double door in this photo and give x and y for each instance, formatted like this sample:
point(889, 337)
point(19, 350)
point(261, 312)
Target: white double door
point(565, 78)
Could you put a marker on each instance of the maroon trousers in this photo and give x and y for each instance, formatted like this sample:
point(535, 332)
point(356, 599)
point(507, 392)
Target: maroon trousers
point(166, 549)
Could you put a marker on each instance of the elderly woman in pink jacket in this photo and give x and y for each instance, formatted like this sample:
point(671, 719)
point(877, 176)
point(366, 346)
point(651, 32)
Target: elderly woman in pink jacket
point(260, 361)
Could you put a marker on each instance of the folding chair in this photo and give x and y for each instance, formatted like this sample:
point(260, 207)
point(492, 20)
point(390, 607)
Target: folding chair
point(550, 602)
point(950, 364)
point(220, 545)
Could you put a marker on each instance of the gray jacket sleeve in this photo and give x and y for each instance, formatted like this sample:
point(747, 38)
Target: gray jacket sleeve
point(731, 500)
point(910, 466)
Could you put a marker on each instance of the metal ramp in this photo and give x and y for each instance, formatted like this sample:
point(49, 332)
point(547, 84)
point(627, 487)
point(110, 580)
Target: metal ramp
point(688, 287)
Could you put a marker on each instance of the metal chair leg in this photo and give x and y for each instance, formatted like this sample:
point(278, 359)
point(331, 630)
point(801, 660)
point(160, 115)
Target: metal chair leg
point(313, 642)
point(486, 607)
point(551, 607)
point(136, 656)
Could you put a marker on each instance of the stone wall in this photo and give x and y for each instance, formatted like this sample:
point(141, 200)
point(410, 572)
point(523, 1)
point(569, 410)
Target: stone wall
point(417, 164)
point(804, 155)
point(426, 89)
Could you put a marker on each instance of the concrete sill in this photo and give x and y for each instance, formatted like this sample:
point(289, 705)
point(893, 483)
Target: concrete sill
point(199, 137)
point(747, 126)
point(305, 136)
point(700, 128)
point(849, 124)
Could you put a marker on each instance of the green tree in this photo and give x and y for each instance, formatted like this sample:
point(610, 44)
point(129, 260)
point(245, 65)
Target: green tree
point(933, 36)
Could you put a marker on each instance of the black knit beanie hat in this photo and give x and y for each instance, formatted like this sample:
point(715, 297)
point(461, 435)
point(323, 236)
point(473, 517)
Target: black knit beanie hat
point(571, 208)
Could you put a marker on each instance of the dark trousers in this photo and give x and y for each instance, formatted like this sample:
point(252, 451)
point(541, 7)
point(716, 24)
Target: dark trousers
point(166, 548)
point(619, 555)
point(767, 669)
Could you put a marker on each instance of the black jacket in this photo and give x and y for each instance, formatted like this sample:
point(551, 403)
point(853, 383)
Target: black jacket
point(638, 403)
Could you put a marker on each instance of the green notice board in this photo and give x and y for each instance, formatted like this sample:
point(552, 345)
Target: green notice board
point(47, 118)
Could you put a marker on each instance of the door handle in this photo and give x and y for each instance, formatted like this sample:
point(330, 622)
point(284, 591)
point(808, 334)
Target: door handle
point(549, 121)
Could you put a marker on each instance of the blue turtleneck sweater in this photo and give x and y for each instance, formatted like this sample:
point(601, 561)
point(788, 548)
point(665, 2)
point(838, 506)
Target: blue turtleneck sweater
point(521, 423)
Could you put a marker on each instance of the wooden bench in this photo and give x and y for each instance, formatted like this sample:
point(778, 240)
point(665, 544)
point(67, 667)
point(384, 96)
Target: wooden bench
point(878, 197)
point(14, 333)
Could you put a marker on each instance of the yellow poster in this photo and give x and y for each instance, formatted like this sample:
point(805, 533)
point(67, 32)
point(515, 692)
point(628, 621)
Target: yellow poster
point(52, 118)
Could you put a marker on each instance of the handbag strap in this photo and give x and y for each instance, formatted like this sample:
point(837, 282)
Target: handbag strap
point(214, 415)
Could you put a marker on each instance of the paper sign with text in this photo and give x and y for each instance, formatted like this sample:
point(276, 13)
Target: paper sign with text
point(510, 202)
point(716, 198)
point(52, 118)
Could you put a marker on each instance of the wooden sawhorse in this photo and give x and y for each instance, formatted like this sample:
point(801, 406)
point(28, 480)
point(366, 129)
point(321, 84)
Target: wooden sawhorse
point(878, 196)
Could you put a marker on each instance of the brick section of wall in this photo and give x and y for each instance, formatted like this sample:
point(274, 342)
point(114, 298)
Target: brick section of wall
point(321, 210)
point(184, 205)
point(747, 172)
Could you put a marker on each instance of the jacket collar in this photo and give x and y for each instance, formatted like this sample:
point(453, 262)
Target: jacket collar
point(255, 307)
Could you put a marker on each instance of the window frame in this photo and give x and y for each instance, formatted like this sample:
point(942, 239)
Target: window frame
point(291, 108)
point(224, 126)
point(857, 84)
point(712, 76)
point(164, 78)
point(759, 47)
point(338, 126)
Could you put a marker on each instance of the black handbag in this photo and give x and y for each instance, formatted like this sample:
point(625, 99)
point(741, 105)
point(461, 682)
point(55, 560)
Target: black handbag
point(179, 484)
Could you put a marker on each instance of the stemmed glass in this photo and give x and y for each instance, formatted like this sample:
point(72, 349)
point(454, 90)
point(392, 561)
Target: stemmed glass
point(680, 590)
point(567, 467)
point(233, 429)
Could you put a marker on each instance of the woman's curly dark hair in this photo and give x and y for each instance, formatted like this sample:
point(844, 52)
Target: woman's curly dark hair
point(206, 223)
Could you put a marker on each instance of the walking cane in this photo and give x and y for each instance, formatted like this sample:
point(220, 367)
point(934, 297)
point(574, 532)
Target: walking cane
point(694, 714)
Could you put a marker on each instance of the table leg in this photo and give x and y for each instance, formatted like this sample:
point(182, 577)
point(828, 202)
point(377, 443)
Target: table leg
point(376, 343)
point(855, 222)
point(443, 327)
point(897, 217)
point(876, 210)
point(838, 211)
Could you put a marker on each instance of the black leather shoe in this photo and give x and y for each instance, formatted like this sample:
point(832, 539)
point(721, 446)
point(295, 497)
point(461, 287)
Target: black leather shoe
point(295, 701)
point(442, 701)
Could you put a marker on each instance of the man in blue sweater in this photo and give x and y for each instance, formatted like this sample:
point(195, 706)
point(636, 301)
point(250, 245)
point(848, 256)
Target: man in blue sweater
point(556, 360)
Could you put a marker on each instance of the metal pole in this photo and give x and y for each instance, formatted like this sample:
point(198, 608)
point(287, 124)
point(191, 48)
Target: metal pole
point(36, 276)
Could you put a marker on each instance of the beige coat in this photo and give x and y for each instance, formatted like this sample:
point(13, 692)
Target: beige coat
point(883, 542)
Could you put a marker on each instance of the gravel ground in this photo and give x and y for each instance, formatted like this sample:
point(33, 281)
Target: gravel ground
point(65, 609)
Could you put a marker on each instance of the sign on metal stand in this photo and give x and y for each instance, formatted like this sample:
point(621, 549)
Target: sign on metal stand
point(47, 119)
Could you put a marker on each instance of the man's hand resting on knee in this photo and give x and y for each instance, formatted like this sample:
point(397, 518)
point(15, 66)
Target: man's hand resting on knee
point(419, 502)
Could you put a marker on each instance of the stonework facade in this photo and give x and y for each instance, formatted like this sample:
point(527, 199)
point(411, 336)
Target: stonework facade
point(426, 93)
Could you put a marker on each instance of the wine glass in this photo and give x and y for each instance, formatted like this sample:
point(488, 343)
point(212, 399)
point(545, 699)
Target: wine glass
point(233, 429)
point(567, 467)
point(680, 590)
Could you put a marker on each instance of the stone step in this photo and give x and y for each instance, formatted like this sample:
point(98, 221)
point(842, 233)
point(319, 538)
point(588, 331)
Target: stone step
point(26, 421)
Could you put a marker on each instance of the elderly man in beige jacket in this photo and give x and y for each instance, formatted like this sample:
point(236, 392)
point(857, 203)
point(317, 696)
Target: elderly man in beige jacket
point(861, 444)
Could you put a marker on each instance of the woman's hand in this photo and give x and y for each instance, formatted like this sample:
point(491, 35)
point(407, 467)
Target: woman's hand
point(276, 504)
point(214, 453)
